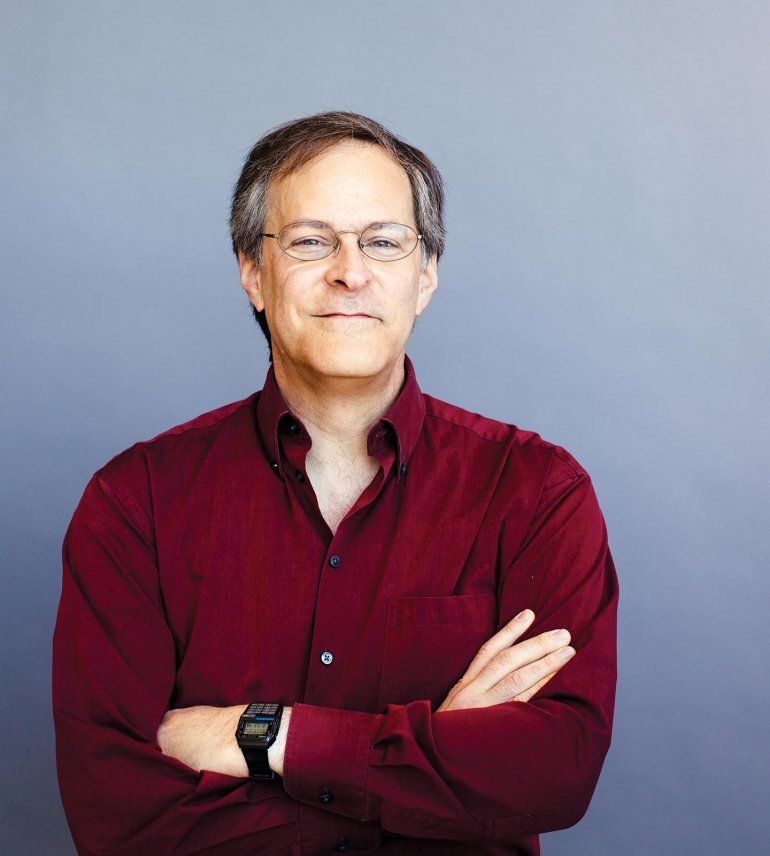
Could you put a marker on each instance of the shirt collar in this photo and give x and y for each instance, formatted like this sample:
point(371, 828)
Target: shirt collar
point(405, 417)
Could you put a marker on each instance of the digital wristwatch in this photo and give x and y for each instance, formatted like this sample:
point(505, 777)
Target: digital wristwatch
point(257, 730)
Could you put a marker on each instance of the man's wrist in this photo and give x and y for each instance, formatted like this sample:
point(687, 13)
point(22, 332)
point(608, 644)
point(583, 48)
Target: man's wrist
point(236, 764)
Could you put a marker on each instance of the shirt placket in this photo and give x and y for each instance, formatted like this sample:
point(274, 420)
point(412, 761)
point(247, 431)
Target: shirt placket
point(332, 642)
point(331, 637)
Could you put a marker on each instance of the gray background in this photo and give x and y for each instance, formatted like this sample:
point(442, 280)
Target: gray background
point(605, 284)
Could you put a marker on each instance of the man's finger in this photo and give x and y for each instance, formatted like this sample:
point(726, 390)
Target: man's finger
point(534, 689)
point(522, 684)
point(504, 638)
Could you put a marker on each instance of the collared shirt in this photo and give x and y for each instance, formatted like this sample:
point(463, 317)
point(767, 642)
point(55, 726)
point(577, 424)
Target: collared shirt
point(199, 570)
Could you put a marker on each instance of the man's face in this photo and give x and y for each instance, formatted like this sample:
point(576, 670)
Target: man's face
point(349, 186)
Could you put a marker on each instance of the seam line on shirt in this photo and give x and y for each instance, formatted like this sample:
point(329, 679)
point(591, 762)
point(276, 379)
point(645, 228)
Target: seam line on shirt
point(539, 496)
point(535, 441)
point(172, 432)
point(573, 477)
point(563, 457)
point(472, 430)
point(120, 507)
point(366, 772)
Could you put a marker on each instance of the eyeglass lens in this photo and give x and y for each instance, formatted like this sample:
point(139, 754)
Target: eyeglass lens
point(382, 241)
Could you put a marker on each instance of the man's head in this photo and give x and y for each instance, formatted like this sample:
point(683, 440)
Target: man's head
point(349, 172)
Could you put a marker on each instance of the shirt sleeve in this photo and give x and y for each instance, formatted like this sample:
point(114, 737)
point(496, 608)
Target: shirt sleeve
point(508, 769)
point(114, 668)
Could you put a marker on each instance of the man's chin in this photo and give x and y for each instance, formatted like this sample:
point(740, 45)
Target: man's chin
point(349, 361)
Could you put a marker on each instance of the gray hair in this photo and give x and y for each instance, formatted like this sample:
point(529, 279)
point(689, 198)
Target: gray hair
point(289, 146)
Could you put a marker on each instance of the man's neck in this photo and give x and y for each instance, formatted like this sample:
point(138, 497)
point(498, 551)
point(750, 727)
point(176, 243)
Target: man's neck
point(338, 412)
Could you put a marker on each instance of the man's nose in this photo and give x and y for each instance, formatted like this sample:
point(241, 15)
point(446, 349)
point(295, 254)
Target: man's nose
point(349, 265)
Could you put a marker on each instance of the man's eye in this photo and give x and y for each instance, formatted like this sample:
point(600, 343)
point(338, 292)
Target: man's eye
point(385, 243)
point(308, 242)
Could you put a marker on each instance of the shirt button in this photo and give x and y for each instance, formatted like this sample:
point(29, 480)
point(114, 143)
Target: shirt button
point(334, 561)
point(341, 845)
point(325, 796)
point(326, 657)
point(299, 475)
point(274, 465)
point(403, 468)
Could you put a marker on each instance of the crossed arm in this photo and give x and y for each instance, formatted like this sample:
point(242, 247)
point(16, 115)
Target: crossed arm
point(135, 777)
point(202, 736)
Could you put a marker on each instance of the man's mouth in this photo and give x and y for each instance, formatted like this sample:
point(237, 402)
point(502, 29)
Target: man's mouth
point(346, 315)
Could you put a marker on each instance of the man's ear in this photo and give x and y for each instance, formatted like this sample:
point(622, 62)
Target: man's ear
point(428, 284)
point(251, 280)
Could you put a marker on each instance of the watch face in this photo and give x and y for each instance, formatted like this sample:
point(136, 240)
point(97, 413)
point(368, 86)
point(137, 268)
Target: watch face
point(255, 729)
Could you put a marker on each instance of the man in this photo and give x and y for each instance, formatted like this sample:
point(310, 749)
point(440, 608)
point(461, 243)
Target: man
point(359, 579)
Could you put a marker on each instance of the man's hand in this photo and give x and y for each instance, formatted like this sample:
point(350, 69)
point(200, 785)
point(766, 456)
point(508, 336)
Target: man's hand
point(503, 672)
point(203, 737)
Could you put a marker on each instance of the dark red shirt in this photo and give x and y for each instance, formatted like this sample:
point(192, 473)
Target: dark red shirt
point(197, 569)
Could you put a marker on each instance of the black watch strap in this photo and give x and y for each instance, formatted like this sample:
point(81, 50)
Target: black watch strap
point(257, 730)
point(259, 767)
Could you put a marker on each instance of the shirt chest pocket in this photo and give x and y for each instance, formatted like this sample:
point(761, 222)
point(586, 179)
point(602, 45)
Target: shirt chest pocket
point(430, 642)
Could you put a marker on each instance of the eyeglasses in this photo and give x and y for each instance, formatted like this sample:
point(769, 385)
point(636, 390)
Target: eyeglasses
point(310, 240)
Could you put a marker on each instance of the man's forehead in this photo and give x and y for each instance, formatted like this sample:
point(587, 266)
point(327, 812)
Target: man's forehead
point(372, 187)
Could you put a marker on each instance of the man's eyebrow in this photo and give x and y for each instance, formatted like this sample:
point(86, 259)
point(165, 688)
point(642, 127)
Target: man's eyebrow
point(308, 223)
point(321, 223)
